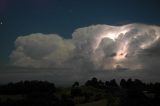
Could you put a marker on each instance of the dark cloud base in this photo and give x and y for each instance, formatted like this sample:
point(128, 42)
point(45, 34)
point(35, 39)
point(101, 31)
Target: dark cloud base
point(68, 76)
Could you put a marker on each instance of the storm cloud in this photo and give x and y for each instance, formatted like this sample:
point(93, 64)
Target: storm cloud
point(104, 47)
point(104, 51)
point(40, 50)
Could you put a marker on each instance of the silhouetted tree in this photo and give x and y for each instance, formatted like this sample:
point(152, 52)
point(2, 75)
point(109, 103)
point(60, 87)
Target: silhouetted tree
point(113, 83)
point(156, 91)
point(76, 84)
point(123, 83)
point(134, 94)
point(93, 82)
point(129, 83)
point(101, 84)
point(107, 83)
point(75, 90)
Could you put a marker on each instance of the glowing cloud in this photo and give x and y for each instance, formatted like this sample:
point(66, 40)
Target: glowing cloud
point(97, 46)
point(40, 50)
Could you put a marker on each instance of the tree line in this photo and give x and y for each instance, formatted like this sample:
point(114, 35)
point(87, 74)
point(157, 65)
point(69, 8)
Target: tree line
point(43, 93)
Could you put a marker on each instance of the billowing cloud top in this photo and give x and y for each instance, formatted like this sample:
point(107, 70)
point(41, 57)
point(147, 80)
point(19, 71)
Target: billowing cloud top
point(40, 50)
point(105, 47)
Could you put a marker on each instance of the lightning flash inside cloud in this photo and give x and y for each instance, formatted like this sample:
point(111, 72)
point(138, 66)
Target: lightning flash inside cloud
point(97, 46)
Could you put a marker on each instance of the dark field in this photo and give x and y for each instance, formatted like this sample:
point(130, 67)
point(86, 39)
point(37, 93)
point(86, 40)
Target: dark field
point(93, 92)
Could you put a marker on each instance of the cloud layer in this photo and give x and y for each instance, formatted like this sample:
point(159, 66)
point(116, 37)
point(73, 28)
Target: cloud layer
point(40, 50)
point(99, 47)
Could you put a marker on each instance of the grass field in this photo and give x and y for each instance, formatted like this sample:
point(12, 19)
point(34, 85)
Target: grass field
point(11, 97)
point(96, 103)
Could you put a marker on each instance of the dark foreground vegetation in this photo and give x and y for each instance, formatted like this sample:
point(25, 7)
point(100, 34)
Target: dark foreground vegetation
point(42, 93)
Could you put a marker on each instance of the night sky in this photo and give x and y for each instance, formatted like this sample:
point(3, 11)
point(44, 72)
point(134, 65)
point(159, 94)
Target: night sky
point(22, 17)
point(67, 40)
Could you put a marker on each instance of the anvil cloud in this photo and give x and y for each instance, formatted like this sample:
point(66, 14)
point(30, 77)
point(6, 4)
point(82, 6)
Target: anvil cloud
point(104, 47)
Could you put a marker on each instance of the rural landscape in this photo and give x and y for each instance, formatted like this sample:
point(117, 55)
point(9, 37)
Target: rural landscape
point(79, 52)
point(93, 93)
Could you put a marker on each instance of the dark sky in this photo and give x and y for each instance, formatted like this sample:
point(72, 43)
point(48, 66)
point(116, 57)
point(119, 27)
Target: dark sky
point(22, 17)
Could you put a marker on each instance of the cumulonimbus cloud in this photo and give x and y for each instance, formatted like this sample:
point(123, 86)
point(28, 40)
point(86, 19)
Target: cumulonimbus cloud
point(40, 50)
point(99, 46)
